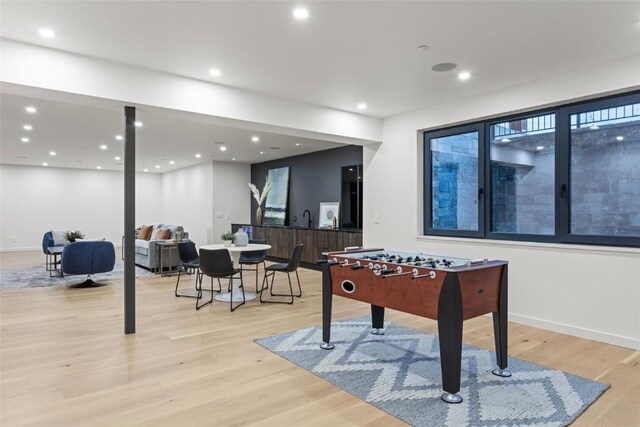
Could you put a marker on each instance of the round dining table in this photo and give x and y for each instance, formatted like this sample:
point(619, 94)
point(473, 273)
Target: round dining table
point(235, 252)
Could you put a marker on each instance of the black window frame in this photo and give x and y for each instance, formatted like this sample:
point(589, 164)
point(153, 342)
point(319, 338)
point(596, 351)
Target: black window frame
point(495, 235)
point(472, 127)
point(567, 236)
point(562, 175)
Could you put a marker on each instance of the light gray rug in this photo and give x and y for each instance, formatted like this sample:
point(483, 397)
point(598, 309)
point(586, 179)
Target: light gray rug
point(36, 276)
point(399, 372)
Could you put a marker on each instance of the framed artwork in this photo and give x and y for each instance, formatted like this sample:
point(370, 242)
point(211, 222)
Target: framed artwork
point(329, 211)
point(275, 212)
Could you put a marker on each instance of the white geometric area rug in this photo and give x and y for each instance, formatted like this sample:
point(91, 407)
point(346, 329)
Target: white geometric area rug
point(399, 372)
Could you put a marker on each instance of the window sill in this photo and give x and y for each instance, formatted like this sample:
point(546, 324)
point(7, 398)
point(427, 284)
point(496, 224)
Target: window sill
point(517, 243)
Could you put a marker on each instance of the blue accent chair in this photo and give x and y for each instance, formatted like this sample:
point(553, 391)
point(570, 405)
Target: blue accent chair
point(88, 258)
point(51, 262)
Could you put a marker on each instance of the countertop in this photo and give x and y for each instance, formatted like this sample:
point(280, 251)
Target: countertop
point(298, 227)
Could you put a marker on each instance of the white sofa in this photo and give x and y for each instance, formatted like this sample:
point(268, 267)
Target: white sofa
point(147, 251)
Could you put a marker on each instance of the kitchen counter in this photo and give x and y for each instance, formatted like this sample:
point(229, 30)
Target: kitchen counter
point(315, 240)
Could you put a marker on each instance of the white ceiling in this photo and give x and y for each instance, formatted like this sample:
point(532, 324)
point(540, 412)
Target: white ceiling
point(345, 53)
point(75, 132)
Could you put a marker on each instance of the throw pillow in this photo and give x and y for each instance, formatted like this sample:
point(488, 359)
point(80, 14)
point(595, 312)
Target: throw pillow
point(58, 237)
point(154, 235)
point(145, 232)
point(164, 234)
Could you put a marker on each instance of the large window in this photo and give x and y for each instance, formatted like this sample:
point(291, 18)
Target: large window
point(571, 174)
point(522, 177)
point(453, 158)
point(605, 171)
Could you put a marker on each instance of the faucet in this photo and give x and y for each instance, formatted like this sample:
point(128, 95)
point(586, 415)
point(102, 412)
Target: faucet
point(307, 211)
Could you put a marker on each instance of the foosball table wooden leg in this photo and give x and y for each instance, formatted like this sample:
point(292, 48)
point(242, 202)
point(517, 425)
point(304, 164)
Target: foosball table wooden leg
point(500, 328)
point(377, 320)
point(326, 308)
point(450, 336)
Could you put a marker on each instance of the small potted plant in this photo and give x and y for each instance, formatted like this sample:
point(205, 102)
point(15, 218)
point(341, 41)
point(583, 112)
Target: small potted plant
point(71, 236)
point(227, 238)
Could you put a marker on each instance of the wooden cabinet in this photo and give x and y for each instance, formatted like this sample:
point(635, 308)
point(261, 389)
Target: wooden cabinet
point(316, 241)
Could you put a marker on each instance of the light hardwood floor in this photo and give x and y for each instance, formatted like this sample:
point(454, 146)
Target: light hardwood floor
point(66, 361)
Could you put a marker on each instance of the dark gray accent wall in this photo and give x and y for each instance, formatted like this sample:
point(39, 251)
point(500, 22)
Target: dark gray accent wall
point(315, 178)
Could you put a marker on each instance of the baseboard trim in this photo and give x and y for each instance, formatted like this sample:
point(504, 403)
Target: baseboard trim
point(618, 340)
point(35, 248)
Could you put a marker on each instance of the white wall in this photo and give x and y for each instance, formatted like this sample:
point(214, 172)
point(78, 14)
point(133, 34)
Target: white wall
point(593, 292)
point(36, 199)
point(67, 72)
point(187, 198)
point(231, 196)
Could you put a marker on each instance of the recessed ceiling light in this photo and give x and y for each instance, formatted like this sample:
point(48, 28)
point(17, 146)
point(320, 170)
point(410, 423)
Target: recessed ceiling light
point(594, 127)
point(98, 167)
point(198, 156)
point(27, 127)
point(223, 148)
point(262, 152)
point(116, 158)
point(505, 140)
point(146, 170)
point(464, 75)
point(157, 166)
point(233, 158)
point(172, 162)
point(362, 106)
point(24, 139)
point(138, 124)
point(103, 147)
point(119, 137)
point(255, 138)
point(52, 153)
point(215, 72)
point(31, 109)
point(45, 164)
point(539, 147)
point(297, 144)
point(300, 13)
point(620, 138)
point(47, 33)
point(444, 67)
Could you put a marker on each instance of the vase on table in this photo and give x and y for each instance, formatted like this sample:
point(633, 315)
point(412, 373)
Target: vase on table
point(227, 243)
point(259, 215)
point(241, 238)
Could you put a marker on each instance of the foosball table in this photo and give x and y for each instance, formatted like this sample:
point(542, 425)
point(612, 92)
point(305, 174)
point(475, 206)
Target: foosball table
point(449, 290)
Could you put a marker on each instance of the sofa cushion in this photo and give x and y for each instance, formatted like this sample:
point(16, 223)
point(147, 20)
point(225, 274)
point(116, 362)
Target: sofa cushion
point(164, 234)
point(142, 247)
point(58, 237)
point(174, 229)
point(154, 233)
point(145, 232)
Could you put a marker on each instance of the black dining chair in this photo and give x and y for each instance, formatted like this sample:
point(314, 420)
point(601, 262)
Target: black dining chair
point(285, 267)
point(217, 264)
point(254, 258)
point(189, 263)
